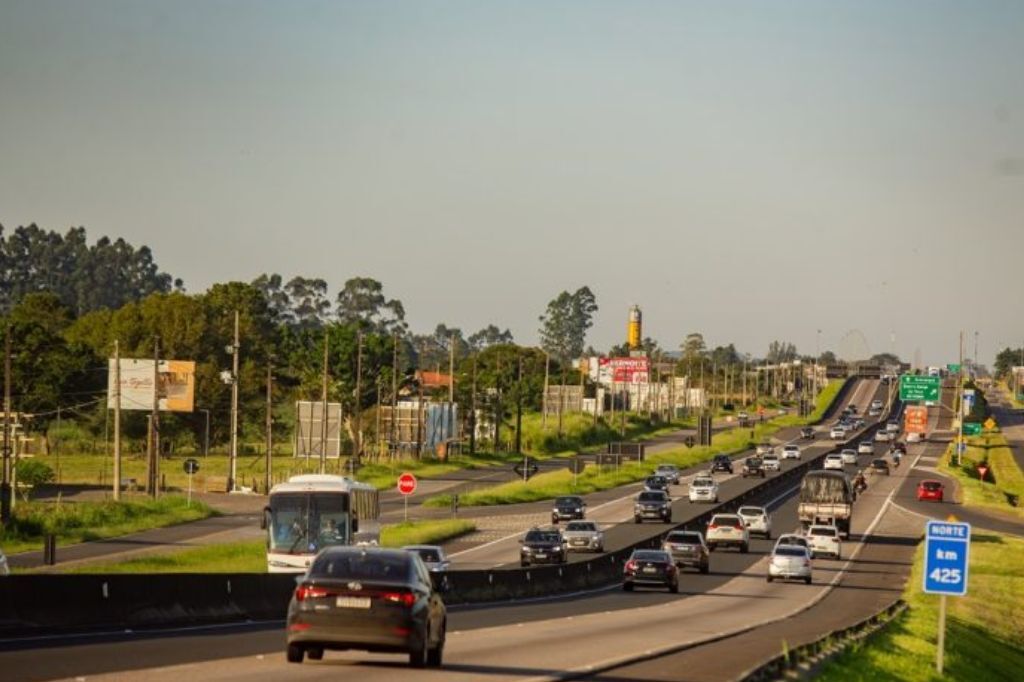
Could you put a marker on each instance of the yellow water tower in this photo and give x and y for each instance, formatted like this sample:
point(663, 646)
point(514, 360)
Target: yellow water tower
point(634, 332)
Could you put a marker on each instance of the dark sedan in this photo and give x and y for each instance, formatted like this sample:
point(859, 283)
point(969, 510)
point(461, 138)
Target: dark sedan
point(369, 599)
point(542, 546)
point(721, 463)
point(879, 466)
point(568, 508)
point(650, 567)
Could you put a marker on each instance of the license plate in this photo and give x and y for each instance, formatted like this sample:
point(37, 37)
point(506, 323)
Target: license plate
point(541, 555)
point(650, 570)
point(353, 602)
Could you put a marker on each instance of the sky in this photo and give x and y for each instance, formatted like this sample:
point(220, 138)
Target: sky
point(748, 170)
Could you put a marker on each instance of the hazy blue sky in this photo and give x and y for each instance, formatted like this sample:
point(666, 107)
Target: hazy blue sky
point(750, 170)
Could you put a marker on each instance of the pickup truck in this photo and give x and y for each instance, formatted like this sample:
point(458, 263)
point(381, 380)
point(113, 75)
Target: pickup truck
point(826, 498)
point(753, 466)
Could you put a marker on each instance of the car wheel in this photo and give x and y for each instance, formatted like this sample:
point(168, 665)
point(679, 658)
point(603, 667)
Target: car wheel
point(744, 548)
point(418, 656)
point(668, 520)
point(807, 580)
point(636, 519)
point(768, 535)
point(628, 587)
point(770, 578)
point(436, 654)
point(295, 653)
point(705, 569)
point(524, 564)
point(315, 654)
point(674, 587)
point(554, 520)
point(711, 547)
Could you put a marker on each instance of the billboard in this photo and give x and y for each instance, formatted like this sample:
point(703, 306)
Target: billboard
point(915, 419)
point(311, 438)
point(175, 387)
point(624, 370)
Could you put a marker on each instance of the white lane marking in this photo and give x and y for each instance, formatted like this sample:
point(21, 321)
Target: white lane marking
point(114, 633)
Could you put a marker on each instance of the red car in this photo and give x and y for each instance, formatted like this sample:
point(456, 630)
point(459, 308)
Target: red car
point(929, 490)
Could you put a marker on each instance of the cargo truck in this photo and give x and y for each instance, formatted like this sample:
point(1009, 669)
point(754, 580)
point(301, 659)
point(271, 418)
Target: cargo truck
point(826, 498)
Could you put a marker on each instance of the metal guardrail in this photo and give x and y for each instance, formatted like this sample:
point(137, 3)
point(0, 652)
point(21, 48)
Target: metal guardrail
point(798, 662)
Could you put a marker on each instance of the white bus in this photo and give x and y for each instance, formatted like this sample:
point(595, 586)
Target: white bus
point(314, 511)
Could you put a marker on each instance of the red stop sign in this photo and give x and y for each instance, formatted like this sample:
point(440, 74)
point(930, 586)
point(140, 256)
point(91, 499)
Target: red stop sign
point(982, 470)
point(407, 484)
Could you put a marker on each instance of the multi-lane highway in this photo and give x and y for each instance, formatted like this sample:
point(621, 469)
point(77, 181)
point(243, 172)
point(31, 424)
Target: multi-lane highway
point(548, 639)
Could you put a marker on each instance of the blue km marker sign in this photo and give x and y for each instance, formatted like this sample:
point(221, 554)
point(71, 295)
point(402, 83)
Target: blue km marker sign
point(946, 548)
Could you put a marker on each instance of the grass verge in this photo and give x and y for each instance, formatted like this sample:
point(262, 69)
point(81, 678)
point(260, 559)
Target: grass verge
point(593, 479)
point(984, 629)
point(250, 556)
point(74, 522)
point(1004, 475)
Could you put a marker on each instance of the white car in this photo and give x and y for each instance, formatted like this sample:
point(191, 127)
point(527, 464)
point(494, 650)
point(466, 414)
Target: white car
point(915, 437)
point(433, 557)
point(866, 447)
point(764, 449)
point(770, 462)
point(875, 412)
point(703, 489)
point(793, 539)
point(876, 405)
point(727, 530)
point(791, 452)
point(833, 461)
point(825, 540)
point(790, 562)
point(883, 436)
point(837, 433)
point(757, 519)
point(892, 427)
point(849, 456)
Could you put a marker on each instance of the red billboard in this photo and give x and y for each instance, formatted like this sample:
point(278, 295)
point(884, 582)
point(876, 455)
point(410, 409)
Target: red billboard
point(624, 370)
point(915, 419)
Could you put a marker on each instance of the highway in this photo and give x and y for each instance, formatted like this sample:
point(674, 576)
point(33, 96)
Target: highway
point(536, 640)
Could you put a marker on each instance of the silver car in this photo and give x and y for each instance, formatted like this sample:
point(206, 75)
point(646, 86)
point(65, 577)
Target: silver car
point(433, 557)
point(583, 536)
point(790, 562)
point(669, 471)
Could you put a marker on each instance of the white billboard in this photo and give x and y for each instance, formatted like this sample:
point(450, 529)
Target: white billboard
point(175, 384)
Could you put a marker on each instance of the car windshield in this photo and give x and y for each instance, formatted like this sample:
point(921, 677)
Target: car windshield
point(650, 555)
point(754, 461)
point(726, 521)
point(542, 536)
point(879, 464)
point(580, 525)
point(655, 480)
point(684, 538)
point(791, 448)
point(652, 496)
point(750, 511)
point(356, 565)
point(790, 550)
point(703, 483)
point(721, 459)
point(568, 501)
point(823, 532)
point(429, 554)
point(666, 467)
point(931, 485)
point(792, 540)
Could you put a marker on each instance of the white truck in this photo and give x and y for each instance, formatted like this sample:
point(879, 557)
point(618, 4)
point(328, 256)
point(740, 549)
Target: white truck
point(826, 498)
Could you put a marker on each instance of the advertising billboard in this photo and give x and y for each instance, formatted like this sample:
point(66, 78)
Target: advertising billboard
point(176, 385)
point(624, 370)
point(915, 419)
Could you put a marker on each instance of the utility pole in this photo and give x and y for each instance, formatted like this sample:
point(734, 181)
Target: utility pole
point(544, 402)
point(154, 425)
point(519, 406)
point(498, 412)
point(472, 407)
point(117, 420)
point(323, 411)
point(393, 445)
point(5, 486)
point(233, 469)
point(268, 473)
point(359, 396)
point(959, 400)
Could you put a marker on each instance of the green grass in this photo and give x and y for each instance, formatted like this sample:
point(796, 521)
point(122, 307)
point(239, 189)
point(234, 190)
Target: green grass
point(250, 556)
point(1004, 475)
point(984, 629)
point(74, 522)
point(593, 479)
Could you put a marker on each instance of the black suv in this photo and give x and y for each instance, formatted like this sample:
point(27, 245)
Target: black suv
point(653, 504)
point(542, 546)
point(569, 507)
point(753, 466)
point(656, 483)
point(807, 433)
point(721, 463)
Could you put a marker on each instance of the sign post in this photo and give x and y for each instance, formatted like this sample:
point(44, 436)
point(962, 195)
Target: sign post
point(406, 487)
point(191, 466)
point(946, 550)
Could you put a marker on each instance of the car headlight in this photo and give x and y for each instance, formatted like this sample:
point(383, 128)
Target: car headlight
point(578, 510)
point(526, 550)
point(556, 549)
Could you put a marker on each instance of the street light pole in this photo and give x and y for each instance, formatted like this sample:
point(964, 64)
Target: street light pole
point(117, 420)
point(5, 486)
point(233, 473)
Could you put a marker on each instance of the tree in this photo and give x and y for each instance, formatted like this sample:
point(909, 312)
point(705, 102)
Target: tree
point(828, 358)
point(1007, 359)
point(362, 301)
point(489, 336)
point(565, 323)
point(724, 356)
point(310, 306)
point(884, 359)
point(274, 292)
point(781, 351)
point(693, 346)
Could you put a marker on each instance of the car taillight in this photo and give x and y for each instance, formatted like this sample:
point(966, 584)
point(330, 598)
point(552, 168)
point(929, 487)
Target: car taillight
point(630, 565)
point(303, 592)
point(403, 598)
point(712, 526)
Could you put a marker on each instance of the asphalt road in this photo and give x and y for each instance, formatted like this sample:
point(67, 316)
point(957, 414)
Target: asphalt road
point(536, 640)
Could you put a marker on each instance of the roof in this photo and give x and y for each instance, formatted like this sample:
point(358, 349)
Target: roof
point(433, 379)
point(319, 482)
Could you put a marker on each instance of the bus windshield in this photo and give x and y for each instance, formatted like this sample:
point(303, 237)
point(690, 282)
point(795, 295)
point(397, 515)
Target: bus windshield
point(304, 523)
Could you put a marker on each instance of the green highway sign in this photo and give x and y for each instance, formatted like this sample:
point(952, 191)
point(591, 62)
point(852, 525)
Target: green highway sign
point(953, 368)
point(972, 428)
point(916, 387)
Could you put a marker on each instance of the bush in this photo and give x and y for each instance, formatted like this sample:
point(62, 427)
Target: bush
point(32, 472)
